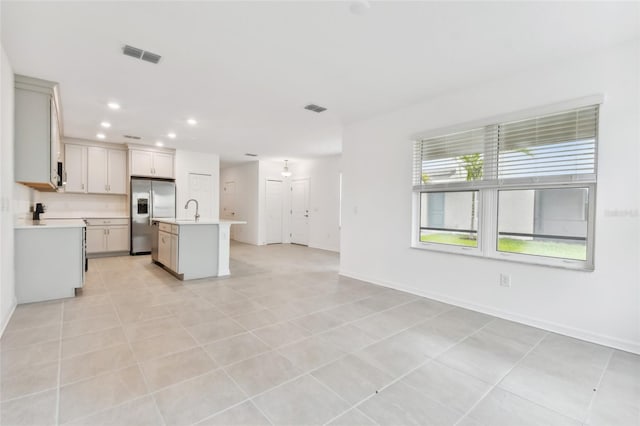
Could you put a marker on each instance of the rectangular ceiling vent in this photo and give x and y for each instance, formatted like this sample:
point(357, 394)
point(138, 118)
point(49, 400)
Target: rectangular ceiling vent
point(134, 52)
point(248, 154)
point(132, 137)
point(315, 108)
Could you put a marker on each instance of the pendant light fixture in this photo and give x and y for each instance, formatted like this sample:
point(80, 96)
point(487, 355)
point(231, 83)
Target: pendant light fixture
point(285, 171)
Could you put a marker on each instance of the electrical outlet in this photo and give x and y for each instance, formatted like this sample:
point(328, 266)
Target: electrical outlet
point(505, 280)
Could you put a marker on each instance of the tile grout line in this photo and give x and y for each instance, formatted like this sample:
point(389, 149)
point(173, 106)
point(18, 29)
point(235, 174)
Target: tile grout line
point(218, 367)
point(495, 385)
point(59, 375)
point(597, 389)
point(420, 365)
point(138, 366)
point(223, 370)
point(331, 361)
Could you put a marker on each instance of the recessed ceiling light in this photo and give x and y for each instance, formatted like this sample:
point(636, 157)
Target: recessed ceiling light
point(192, 121)
point(113, 105)
point(105, 124)
point(171, 135)
point(159, 143)
point(100, 136)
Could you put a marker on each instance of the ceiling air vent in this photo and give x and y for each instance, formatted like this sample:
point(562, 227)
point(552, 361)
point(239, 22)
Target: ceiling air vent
point(248, 154)
point(132, 137)
point(134, 52)
point(315, 108)
point(151, 57)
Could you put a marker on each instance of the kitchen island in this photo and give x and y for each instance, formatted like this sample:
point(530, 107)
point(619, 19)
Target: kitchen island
point(192, 249)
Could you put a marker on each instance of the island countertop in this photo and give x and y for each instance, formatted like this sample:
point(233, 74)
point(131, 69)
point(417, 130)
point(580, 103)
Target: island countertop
point(201, 221)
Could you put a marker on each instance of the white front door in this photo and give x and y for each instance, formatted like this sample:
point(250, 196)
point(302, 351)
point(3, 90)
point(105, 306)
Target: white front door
point(300, 211)
point(273, 201)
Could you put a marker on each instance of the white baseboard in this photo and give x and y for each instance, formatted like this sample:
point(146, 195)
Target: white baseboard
point(5, 321)
point(613, 342)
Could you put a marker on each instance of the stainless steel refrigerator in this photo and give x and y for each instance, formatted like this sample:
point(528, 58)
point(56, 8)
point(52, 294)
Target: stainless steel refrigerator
point(149, 198)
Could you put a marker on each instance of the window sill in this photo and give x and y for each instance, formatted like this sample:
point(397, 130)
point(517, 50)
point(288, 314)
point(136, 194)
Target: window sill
point(448, 248)
point(508, 257)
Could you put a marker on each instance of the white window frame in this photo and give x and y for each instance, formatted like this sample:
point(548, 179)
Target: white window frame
point(450, 248)
point(488, 203)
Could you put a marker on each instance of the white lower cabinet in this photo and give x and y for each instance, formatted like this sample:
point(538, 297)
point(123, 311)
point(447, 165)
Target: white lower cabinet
point(95, 239)
point(164, 248)
point(106, 236)
point(168, 242)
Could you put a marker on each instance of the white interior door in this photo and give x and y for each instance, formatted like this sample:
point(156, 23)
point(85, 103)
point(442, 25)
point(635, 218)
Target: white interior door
point(201, 189)
point(273, 201)
point(228, 204)
point(300, 211)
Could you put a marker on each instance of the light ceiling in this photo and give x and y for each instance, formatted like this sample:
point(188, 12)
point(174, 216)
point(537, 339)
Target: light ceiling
point(245, 70)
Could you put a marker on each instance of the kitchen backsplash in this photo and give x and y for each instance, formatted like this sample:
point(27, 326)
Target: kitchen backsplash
point(61, 205)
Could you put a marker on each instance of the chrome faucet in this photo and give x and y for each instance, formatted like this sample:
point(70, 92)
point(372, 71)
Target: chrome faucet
point(186, 206)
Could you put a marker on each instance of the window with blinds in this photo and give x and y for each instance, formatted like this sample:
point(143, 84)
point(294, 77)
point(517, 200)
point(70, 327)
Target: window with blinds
point(554, 148)
point(517, 190)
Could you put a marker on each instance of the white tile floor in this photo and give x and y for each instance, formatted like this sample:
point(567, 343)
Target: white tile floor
point(287, 341)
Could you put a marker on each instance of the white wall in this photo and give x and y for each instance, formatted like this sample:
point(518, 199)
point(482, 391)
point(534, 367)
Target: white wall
point(601, 306)
point(196, 162)
point(15, 199)
point(324, 198)
point(61, 205)
point(244, 201)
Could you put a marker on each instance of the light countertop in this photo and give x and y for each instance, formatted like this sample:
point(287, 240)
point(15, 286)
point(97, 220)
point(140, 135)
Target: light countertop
point(49, 223)
point(201, 221)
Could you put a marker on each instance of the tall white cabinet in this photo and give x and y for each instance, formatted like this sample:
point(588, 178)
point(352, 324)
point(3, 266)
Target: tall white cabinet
point(37, 133)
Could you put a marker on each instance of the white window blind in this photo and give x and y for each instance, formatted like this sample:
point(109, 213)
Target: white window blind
point(457, 160)
point(554, 148)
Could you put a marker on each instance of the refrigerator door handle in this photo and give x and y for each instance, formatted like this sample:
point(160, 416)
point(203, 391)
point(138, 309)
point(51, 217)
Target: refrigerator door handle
point(151, 209)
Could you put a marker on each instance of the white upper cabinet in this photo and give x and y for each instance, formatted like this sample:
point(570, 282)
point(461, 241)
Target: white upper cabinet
point(37, 133)
point(162, 165)
point(141, 163)
point(97, 169)
point(75, 164)
point(117, 171)
point(151, 163)
point(107, 170)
